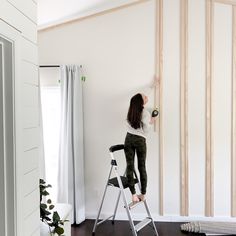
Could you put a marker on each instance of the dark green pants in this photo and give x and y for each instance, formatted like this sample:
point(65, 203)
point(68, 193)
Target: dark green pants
point(136, 144)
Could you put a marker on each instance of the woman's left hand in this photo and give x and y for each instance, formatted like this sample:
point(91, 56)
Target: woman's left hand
point(152, 120)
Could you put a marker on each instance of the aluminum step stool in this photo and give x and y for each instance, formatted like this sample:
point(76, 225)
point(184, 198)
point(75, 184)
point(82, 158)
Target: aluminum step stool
point(122, 183)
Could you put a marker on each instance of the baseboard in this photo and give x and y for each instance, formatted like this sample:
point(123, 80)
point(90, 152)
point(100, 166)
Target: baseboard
point(170, 218)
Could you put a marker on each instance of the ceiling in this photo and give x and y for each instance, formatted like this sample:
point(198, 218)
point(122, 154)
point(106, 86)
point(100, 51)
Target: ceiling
point(51, 12)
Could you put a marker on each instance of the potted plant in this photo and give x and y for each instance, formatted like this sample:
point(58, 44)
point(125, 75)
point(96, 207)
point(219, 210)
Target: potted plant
point(54, 222)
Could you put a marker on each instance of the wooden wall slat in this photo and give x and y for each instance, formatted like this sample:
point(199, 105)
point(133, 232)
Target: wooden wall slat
point(233, 145)
point(209, 63)
point(184, 105)
point(159, 72)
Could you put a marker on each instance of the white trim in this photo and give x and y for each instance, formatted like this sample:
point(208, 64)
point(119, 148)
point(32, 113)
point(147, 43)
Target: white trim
point(89, 14)
point(13, 36)
point(233, 120)
point(228, 2)
point(3, 145)
point(4, 135)
point(156, 217)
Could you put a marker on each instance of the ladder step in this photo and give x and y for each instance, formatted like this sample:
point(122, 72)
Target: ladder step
point(134, 204)
point(114, 182)
point(142, 224)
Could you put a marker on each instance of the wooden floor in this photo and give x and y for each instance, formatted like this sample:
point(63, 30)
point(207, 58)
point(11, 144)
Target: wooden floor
point(121, 228)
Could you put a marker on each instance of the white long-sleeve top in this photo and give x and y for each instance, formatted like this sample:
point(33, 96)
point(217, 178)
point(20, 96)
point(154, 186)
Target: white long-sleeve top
point(142, 131)
point(146, 116)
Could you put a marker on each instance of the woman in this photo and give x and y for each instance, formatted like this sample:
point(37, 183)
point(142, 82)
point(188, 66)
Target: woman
point(139, 121)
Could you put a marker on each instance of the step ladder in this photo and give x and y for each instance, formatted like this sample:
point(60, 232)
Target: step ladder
point(122, 183)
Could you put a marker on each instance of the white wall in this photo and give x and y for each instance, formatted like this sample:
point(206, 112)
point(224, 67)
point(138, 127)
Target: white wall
point(117, 51)
point(21, 17)
point(171, 104)
point(197, 97)
point(222, 99)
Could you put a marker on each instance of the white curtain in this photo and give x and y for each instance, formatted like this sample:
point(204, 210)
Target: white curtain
point(71, 157)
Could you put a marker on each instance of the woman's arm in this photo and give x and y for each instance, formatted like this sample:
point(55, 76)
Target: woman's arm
point(147, 120)
point(152, 120)
point(147, 91)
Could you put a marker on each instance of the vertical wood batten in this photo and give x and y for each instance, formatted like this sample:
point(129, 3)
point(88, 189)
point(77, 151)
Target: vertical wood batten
point(184, 105)
point(159, 72)
point(233, 144)
point(209, 64)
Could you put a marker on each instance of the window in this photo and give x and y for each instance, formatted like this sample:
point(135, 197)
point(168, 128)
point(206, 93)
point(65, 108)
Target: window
point(51, 104)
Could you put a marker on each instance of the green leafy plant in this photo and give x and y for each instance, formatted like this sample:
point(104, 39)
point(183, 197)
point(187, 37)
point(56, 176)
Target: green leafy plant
point(55, 223)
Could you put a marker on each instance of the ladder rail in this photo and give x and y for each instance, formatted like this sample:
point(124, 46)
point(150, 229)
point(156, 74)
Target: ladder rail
point(146, 207)
point(103, 197)
point(149, 215)
point(125, 202)
point(102, 221)
point(117, 202)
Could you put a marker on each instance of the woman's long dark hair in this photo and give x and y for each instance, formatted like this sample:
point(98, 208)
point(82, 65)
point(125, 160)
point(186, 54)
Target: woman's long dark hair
point(135, 111)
